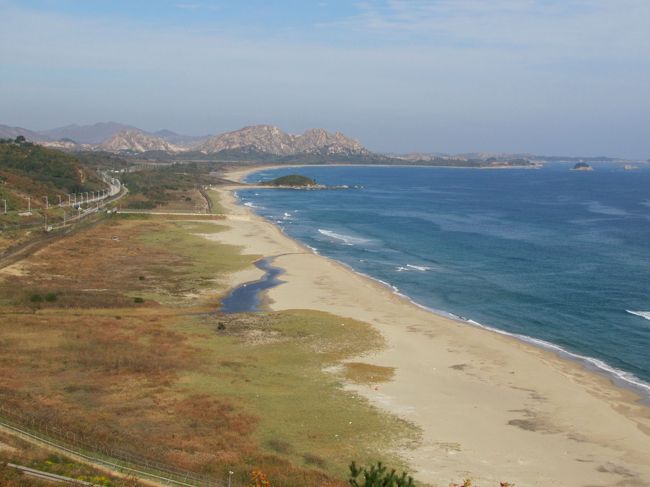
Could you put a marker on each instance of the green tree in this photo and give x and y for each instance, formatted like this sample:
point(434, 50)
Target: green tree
point(378, 476)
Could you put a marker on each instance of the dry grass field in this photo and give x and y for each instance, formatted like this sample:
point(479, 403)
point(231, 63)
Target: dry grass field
point(113, 333)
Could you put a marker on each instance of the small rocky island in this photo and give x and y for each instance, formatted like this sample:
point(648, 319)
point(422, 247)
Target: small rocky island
point(298, 181)
point(582, 166)
point(292, 181)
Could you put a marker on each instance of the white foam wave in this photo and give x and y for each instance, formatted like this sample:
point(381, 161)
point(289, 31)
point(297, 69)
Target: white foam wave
point(286, 216)
point(421, 268)
point(251, 205)
point(346, 239)
point(410, 267)
point(642, 314)
point(598, 207)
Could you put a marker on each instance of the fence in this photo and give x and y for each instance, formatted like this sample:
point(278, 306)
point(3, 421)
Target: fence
point(91, 451)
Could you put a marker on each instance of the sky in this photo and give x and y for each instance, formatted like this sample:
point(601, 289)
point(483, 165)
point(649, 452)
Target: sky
point(569, 77)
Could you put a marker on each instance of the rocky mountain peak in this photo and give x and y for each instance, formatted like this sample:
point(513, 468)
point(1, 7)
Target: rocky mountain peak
point(272, 140)
point(136, 141)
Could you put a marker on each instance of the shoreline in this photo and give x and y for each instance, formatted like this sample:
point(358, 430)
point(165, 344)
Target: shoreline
point(518, 388)
point(620, 378)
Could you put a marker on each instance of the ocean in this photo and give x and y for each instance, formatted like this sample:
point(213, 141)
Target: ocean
point(556, 257)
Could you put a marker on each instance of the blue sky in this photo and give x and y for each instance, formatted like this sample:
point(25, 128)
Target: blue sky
point(549, 77)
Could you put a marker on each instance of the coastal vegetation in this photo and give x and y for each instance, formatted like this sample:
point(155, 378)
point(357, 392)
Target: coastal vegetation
point(130, 352)
point(169, 187)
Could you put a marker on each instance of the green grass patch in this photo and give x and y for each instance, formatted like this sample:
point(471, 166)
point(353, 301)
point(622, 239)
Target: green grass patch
point(274, 365)
point(199, 263)
point(217, 207)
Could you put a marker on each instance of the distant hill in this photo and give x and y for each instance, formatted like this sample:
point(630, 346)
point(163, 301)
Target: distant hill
point(87, 134)
point(7, 132)
point(181, 140)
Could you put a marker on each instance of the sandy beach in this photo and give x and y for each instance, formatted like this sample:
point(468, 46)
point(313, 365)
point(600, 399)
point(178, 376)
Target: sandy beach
point(490, 407)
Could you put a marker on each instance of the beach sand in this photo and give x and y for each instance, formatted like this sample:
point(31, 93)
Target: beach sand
point(490, 407)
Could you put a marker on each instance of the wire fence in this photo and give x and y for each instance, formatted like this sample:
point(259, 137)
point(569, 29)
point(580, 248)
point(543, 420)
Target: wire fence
point(93, 205)
point(90, 450)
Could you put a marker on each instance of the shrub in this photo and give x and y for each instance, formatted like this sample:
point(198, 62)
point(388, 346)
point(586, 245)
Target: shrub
point(280, 446)
point(138, 300)
point(259, 479)
point(314, 460)
point(50, 297)
point(36, 298)
point(377, 476)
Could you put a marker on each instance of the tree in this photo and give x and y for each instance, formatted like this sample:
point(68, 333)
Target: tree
point(20, 139)
point(378, 476)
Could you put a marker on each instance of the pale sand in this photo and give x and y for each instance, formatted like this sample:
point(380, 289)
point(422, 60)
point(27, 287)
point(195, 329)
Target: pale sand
point(489, 406)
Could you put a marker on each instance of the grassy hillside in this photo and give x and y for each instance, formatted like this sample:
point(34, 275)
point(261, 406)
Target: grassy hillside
point(31, 170)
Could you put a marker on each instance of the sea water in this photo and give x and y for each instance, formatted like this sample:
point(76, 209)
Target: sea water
point(557, 257)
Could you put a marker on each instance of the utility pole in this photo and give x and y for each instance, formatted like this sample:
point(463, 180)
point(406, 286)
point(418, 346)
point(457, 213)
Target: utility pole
point(69, 199)
point(64, 218)
point(5, 201)
point(29, 204)
point(59, 200)
point(47, 203)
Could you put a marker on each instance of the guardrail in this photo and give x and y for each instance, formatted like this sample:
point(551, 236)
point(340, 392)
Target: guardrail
point(100, 454)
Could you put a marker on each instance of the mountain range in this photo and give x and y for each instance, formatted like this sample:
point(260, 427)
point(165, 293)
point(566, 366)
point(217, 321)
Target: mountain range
point(252, 140)
point(261, 143)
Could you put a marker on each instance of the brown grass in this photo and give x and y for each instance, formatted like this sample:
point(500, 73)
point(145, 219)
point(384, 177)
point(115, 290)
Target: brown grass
point(362, 373)
point(160, 379)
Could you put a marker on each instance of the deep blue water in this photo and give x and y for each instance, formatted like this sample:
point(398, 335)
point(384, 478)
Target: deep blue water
point(552, 254)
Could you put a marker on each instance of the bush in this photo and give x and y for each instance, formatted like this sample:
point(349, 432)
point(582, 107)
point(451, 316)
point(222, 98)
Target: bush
point(314, 460)
point(50, 297)
point(138, 300)
point(377, 476)
point(36, 298)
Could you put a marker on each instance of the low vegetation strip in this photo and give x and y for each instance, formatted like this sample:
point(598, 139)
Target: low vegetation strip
point(39, 474)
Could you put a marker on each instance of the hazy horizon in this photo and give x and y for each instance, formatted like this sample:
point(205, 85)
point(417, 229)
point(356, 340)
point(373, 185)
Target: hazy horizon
point(543, 77)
